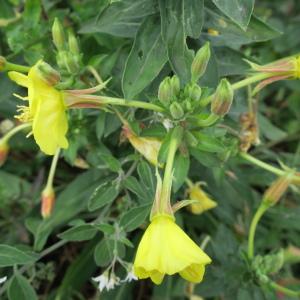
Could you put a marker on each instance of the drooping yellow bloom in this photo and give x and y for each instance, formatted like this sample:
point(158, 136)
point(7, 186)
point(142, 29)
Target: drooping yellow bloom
point(147, 146)
point(204, 202)
point(166, 249)
point(46, 110)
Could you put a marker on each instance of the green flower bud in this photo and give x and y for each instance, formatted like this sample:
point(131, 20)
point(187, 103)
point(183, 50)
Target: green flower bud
point(165, 93)
point(58, 35)
point(200, 62)
point(48, 74)
point(68, 61)
point(175, 85)
point(195, 92)
point(187, 105)
point(2, 63)
point(222, 98)
point(176, 110)
point(73, 43)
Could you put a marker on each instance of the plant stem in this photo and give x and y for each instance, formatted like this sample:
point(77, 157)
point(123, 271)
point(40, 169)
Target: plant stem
point(259, 213)
point(168, 173)
point(99, 101)
point(14, 67)
point(210, 120)
point(53, 169)
point(263, 165)
point(284, 290)
point(12, 132)
point(250, 80)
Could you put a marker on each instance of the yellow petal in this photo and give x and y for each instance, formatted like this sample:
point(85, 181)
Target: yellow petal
point(166, 249)
point(19, 78)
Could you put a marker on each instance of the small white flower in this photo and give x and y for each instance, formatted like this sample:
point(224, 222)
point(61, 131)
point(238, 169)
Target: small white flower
point(3, 279)
point(168, 124)
point(113, 281)
point(130, 276)
point(102, 280)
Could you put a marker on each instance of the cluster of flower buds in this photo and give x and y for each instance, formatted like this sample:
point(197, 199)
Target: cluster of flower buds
point(68, 55)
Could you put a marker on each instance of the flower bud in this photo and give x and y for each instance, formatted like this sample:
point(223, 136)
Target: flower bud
point(176, 110)
point(48, 74)
point(4, 148)
point(194, 92)
point(48, 200)
point(147, 146)
point(2, 63)
point(73, 43)
point(175, 85)
point(165, 93)
point(58, 35)
point(277, 189)
point(204, 201)
point(200, 62)
point(222, 98)
point(70, 62)
point(191, 139)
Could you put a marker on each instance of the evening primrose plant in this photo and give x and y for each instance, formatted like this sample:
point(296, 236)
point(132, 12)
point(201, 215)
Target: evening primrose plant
point(140, 151)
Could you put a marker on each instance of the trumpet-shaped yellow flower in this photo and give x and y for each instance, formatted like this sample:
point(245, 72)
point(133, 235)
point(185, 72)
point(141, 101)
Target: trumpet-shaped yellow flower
point(166, 249)
point(46, 110)
point(203, 201)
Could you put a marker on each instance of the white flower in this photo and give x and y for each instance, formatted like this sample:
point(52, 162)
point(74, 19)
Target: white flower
point(102, 280)
point(3, 279)
point(108, 282)
point(130, 276)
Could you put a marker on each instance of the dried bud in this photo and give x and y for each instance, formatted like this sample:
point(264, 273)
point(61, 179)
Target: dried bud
point(4, 148)
point(200, 62)
point(73, 43)
point(58, 35)
point(204, 201)
point(277, 189)
point(165, 93)
point(176, 110)
point(175, 85)
point(2, 63)
point(222, 98)
point(147, 146)
point(48, 74)
point(48, 200)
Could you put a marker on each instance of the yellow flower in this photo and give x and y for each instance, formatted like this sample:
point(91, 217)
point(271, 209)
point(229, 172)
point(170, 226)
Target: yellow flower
point(46, 109)
point(4, 148)
point(147, 146)
point(166, 249)
point(204, 202)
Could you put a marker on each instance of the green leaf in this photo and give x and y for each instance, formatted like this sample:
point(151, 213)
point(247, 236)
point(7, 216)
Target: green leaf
point(146, 59)
point(239, 11)
point(193, 17)
point(10, 256)
point(137, 188)
point(79, 233)
point(135, 217)
point(121, 18)
point(181, 169)
point(232, 35)
point(174, 34)
point(147, 176)
point(33, 9)
point(20, 289)
point(100, 124)
point(104, 194)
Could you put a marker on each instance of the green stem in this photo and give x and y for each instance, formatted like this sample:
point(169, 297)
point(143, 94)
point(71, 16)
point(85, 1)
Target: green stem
point(12, 132)
point(250, 80)
point(168, 173)
point(105, 100)
point(210, 120)
point(52, 169)
point(259, 213)
point(14, 67)
point(267, 167)
point(284, 290)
